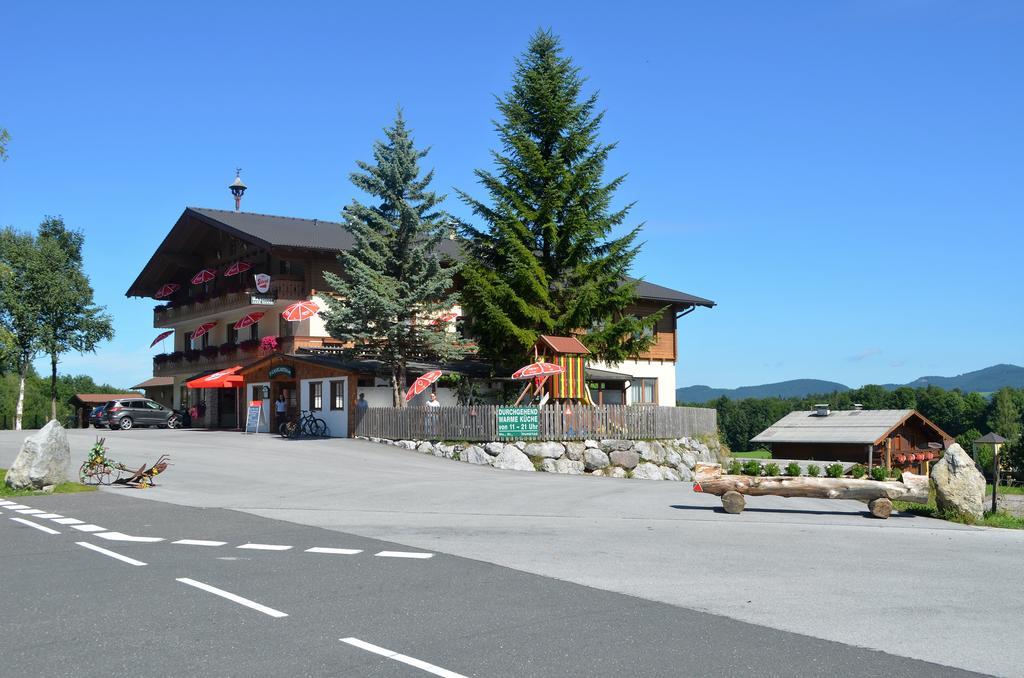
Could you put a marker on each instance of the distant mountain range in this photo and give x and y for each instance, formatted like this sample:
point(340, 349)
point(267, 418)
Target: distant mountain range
point(984, 381)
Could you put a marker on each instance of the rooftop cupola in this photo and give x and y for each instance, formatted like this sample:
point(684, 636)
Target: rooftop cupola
point(238, 189)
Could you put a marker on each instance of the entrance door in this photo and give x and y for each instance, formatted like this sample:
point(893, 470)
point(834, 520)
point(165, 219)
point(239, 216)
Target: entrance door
point(227, 412)
point(289, 389)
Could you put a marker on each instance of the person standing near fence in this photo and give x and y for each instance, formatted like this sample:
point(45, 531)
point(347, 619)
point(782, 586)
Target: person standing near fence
point(433, 414)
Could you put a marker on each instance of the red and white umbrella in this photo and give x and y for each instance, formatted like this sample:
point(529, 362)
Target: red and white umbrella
point(204, 276)
point(237, 267)
point(161, 337)
point(248, 319)
point(537, 370)
point(203, 329)
point(446, 318)
point(421, 384)
point(167, 290)
point(300, 310)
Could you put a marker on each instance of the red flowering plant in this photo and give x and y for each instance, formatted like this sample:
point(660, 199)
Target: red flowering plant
point(268, 344)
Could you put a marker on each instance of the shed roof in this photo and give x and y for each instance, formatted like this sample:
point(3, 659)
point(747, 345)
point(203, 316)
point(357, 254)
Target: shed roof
point(100, 398)
point(564, 344)
point(844, 426)
point(153, 382)
point(991, 439)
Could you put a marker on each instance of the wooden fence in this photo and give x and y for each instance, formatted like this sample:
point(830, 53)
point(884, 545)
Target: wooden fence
point(480, 423)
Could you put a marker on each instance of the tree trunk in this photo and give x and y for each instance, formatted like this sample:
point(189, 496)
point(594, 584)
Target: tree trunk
point(53, 386)
point(20, 407)
point(709, 478)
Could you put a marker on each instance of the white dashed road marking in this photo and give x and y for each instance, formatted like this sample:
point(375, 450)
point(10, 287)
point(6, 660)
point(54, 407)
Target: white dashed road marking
point(405, 659)
point(41, 528)
point(116, 556)
point(68, 521)
point(89, 528)
point(30, 512)
point(403, 554)
point(337, 552)
point(199, 542)
point(15, 507)
point(233, 598)
point(117, 536)
point(50, 516)
point(265, 547)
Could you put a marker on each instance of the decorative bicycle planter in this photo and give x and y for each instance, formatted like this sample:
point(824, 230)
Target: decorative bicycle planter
point(98, 469)
point(709, 479)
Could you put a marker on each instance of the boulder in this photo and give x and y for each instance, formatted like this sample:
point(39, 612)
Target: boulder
point(574, 450)
point(45, 459)
point(627, 459)
point(406, 444)
point(426, 448)
point(520, 445)
point(651, 451)
point(570, 467)
point(600, 472)
point(594, 459)
point(547, 449)
point(959, 485)
point(494, 449)
point(612, 444)
point(688, 459)
point(591, 443)
point(647, 471)
point(616, 472)
point(672, 458)
point(548, 466)
point(669, 473)
point(474, 454)
point(513, 460)
point(685, 474)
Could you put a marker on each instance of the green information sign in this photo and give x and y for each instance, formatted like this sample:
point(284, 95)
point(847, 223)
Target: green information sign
point(518, 422)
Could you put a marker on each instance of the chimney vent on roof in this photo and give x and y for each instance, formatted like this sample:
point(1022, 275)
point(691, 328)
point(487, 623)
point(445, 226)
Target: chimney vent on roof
point(822, 410)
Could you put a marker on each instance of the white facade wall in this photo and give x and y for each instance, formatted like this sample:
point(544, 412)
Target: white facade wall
point(336, 420)
point(662, 370)
point(248, 396)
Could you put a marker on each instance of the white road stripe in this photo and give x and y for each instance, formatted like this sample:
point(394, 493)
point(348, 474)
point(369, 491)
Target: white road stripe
point(4, 502)
point(405, 659)
point(118, 556)
point(41, 528)
point(265, 547)
point(403, 554)
point(338, 552)
point(199, 542)
point(15, 507)
point(68, 521)
point(89, 528)
point(50, 516)
point(118, 536)
point(232, 597)
point(30, 512)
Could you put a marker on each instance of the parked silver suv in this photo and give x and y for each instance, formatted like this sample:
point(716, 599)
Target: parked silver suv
point(126, 413)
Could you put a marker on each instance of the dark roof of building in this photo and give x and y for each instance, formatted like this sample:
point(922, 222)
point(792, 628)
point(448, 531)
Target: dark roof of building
point(842, 426)
point(564, 344)
point(153, 382)
point(991, 439)
point(594, 374)
point(647, 290)
point(100, 398)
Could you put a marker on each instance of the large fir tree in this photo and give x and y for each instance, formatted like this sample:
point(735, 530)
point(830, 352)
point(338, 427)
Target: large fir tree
point(545, 261)
point(394, 284)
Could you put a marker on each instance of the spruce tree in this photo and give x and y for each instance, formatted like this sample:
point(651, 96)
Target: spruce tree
point(394, 284)
point(545, 261)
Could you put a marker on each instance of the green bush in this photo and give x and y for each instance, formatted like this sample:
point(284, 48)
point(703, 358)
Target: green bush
point(793, 469)
point(896, 474)
point(735, 468)
point(752, 468)
point(858, 470)
point(771, 469)
point(834, 470)
point(879, 473)
point(814, 470)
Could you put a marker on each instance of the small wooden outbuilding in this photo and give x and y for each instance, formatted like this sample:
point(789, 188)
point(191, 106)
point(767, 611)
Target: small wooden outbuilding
point(84, 402)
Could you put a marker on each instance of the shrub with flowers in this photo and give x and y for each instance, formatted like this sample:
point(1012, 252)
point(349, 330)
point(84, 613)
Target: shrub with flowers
point(268, 344)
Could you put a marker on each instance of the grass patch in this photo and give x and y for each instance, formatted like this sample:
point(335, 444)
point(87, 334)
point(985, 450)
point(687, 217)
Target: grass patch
point(1003, 489)
point(754, 454)
point(63, 488)
point(1000, 519)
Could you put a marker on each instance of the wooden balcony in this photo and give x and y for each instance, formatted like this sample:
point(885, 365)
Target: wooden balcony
point(243, 300)
point(237, 357)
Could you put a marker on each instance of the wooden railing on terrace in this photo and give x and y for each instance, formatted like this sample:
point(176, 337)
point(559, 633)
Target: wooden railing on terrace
point(284, 290)
point(480, 423)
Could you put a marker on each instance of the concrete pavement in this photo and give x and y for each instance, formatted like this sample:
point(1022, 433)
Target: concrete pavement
point(911, 586)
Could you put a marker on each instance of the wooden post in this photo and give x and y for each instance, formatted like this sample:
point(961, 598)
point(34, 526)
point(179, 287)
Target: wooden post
point(888, 454)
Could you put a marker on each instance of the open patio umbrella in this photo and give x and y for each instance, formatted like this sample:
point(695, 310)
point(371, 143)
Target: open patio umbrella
point(537, 370)
point(222, 379)
point(248, 319)
point(237, 267)
point(203, 329)
point(167, 290)
point(300, 310)
point(203, 276)
point(421, 384)
point(446, 318)
point(161, 337)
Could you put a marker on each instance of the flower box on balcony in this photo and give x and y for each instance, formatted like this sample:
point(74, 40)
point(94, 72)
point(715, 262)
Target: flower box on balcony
point(160, 358)
point(249, 345)
point(268, 344)
point(192, 355)
point(228, 348)
point(211, 352)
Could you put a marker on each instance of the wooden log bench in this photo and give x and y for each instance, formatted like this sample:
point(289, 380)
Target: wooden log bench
point(879, 494)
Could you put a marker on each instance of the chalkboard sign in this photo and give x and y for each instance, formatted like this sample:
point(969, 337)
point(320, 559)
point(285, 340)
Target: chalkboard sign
point(254, 416)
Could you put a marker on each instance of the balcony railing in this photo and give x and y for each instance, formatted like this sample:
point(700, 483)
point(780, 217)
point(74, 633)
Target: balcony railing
point(163, 367)
point(280, 290)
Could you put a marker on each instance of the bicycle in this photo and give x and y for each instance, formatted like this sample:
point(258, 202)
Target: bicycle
point(306, 424)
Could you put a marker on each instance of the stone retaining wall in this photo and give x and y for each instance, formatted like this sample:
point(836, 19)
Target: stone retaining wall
point(645, 459)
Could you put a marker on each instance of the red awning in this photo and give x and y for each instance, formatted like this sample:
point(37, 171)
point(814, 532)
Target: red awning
point(221, 379)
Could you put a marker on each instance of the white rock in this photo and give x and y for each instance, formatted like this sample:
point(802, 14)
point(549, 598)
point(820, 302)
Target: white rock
point(591, 443)
point(44, 459)
point(611, 444)
point(548, 466)
point(547, 449)
point(616, 472)
point(475, 454)
point(594, 459)
point(599, 472)
point(406, 444)
point(574, 450)
point(627, 459)
point(651, 451)
point(672, 458)
point(689, 460)
point(520, 445)
point(514, 460)
point(685, 474)
point(959, 485)
point(426, 448)
point(669, 473)
point(570, 467)
point(647, 471)
point(494, 449)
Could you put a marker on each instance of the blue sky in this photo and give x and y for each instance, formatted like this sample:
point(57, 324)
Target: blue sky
point(844, 178)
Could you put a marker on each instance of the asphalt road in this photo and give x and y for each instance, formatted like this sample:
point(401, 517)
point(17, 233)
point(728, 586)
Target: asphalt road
point(72, 610)
point(908, 586)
